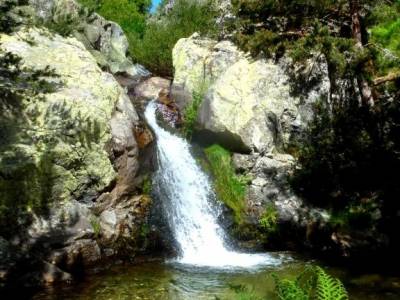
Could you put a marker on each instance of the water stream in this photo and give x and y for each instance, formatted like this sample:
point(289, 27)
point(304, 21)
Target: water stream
point(189, 203)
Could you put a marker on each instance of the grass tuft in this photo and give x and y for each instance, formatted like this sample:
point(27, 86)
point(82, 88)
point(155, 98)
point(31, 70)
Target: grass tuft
point(228, 186)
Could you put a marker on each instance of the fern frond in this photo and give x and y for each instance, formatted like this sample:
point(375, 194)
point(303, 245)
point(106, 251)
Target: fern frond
point(289, 290)
point(307, 280)
point(328, 287)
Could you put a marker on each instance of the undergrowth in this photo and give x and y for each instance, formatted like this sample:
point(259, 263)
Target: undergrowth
point(191, 111)
point(312, 284)
point(153, 49)
point(269, 221)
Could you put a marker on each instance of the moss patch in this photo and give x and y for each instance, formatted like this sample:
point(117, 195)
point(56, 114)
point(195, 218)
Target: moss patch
point(269, 221)
point(229, 187)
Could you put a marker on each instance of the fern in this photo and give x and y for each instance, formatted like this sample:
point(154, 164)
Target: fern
point(289, 290)
point(328, 287)
point(312, 284)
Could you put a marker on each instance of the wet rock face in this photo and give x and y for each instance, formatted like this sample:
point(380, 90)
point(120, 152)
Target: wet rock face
point(168, 110)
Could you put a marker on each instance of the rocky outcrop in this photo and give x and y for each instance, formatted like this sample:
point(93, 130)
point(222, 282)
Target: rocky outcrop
point(150, 89)
point(89, 192)
point(269, 186)
point(249, 105)
point(254, 108)
point(104, 39)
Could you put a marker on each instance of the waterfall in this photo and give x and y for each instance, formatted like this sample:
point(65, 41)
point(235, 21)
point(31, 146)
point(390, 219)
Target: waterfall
point(187, 197)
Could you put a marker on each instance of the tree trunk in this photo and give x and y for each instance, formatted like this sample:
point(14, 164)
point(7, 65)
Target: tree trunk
point(366, 92)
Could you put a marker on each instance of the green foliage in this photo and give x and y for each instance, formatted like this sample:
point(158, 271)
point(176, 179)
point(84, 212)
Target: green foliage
point(228, 186)
point(361, 215)
point(151, 40)
point(191, 111)
point(289, 290)
point(28, 164)
point(269, 220)
point(129, 14)
point(65, 24)
point(307, 29)
point(328, 287)
point(351, 154)
point(313, 284)
point(154, 48)
point(95, 223)
point(9, 16)
point(385, 36)
point(146, 185)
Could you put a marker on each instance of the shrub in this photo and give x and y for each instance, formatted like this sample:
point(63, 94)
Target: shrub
point(229, 188)
point(95, 223)
point(191, 111)
point(385, 33)
point(129, 14)
point(154, 49)
point(269, 220)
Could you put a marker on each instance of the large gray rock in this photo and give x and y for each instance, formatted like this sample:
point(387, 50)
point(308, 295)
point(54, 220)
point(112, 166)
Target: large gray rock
point(269, 186)
point(198, 63)
point(249, 104)
point(91, 176)
point(105, 39)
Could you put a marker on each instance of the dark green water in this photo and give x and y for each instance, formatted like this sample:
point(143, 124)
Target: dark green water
point(157, 280)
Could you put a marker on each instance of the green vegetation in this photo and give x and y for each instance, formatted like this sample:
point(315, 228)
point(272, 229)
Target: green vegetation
point(154, 48)
point(385, 36)
point(129, 14)
point(151, 38)
point(349, 159)
point(29, 166)
point(348, 164)
point(269, 221)
point(308, 30)
point(65, 24)
point(146, 185)
point(228, 186)
point(95, 223)
point(313, 284)
point(191, 111)
point(25, 181)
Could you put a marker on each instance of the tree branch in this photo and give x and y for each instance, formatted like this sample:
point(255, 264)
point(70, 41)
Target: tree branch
point(383, 79)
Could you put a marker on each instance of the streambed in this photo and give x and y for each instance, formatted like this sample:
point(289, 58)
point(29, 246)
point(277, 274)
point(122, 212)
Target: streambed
point(171, 281)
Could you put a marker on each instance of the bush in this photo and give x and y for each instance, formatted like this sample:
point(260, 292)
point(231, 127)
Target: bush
point(385, 33)
point(192, 110)
point(129, 14)
point(269, 220)
point(229, 187)
point(154, 49)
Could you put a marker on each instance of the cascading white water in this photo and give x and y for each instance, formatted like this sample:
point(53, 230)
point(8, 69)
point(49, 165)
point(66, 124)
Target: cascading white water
point(186, 194)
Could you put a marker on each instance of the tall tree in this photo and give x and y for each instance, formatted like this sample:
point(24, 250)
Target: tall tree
point(365, 89)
